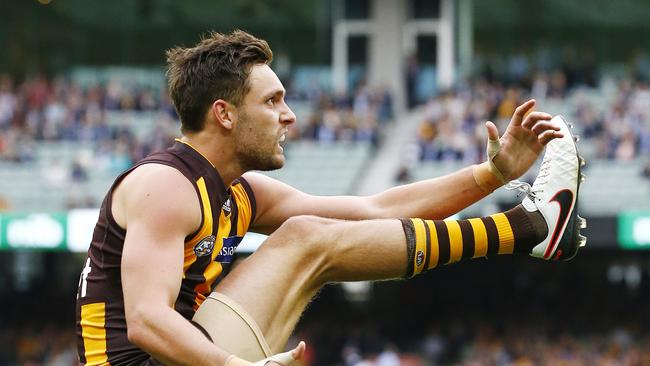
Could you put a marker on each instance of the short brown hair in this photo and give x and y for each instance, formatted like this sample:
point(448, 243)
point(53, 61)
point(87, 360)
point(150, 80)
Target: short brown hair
point(216, 68)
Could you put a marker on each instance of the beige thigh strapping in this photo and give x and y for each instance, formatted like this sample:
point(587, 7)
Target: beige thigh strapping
point(231, 328)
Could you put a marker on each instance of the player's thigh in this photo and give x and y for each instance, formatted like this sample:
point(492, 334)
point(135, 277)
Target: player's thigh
point(275, 284)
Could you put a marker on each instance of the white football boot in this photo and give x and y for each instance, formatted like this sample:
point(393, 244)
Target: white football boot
point(555, 195)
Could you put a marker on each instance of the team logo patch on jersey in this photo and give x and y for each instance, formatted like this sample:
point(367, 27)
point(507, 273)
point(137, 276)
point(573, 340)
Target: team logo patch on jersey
point(228, 249)
point(419, 258)
point(205, 246)
point(227, 207)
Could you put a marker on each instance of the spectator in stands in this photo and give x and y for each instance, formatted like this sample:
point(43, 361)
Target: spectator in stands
point(78, 173)
point(8, 100)
point(411, 76)
point(4, 205)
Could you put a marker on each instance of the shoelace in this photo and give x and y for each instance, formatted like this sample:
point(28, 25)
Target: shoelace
point(532, 191)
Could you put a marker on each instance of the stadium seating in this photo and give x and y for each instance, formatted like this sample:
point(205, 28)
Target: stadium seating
point(45, 184)
point(324, 168)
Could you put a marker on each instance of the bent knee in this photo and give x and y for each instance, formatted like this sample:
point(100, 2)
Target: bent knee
point(310, 243)
point(304, 228)
point(304, 231)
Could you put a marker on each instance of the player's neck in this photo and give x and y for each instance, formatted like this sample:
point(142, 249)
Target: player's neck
point(218, 152)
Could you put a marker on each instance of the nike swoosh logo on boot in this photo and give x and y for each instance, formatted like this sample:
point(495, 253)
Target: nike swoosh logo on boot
point(565, 199)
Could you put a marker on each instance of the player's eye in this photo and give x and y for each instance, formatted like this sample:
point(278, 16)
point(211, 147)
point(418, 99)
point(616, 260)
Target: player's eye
point(270, 101)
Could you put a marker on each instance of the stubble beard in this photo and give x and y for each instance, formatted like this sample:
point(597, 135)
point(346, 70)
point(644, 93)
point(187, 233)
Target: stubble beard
point(252, 158)
point(252, 155)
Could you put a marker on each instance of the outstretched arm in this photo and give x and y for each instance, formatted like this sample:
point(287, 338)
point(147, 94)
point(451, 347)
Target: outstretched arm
point(521, 144)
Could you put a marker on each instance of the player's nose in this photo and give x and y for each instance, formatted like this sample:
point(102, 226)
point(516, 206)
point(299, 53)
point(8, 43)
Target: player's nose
point(287, 116)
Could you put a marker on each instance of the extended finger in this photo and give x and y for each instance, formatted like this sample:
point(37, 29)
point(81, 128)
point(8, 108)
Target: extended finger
point(521, 111)
point(548, 136)
point(543, 126)
point(534, 117)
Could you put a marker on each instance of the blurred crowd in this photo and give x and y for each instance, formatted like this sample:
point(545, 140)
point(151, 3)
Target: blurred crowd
point(529, 345)
point(49, 345)
point(58, 109)
point(467, 343)
point(614, 116)
point(41, 109)
point(358, 116)
point(608, 104)
point(519, 347)
point(107, 127)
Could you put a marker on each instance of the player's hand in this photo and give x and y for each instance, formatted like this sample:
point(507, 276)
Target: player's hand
point(281, 359)
point(525, 137)
point(286, 358)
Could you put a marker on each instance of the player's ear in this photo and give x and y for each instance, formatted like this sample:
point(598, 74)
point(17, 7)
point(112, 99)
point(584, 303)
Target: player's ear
point(223, 113)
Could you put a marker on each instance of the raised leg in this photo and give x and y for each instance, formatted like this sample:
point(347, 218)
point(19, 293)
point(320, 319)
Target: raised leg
point(275, 284)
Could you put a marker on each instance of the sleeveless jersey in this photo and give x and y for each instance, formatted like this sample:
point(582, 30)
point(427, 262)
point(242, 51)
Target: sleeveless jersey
point(226, 215)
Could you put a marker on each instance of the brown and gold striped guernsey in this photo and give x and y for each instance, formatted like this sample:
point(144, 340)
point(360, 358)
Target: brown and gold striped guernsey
point(226, 216)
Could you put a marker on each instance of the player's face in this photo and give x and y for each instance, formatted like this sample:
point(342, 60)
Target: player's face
point(262, 122)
